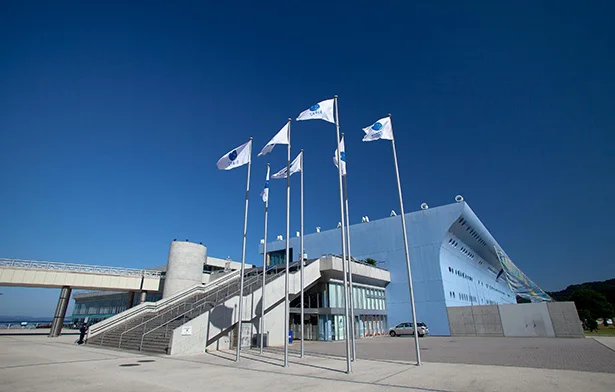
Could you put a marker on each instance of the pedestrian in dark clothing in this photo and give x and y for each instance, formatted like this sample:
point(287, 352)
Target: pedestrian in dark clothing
point(82, 331)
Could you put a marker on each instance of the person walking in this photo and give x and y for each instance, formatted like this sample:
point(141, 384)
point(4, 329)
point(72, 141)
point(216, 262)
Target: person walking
point(82, 331)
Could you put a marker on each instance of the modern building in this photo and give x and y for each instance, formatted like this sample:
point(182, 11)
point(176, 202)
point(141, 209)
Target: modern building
point(324, 302)
point(455, 262)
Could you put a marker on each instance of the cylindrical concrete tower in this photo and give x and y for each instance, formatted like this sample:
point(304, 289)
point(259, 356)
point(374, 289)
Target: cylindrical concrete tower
point(184, 268)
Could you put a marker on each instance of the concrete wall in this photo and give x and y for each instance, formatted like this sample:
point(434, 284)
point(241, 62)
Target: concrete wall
point(212, 330)
point(557, 319)
point(475, 321)
point(526, 320)
point(565, 319)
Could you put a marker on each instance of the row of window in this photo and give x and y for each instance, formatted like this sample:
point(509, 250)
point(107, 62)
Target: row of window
point(473, 232)
point(466, 297)
point(460, 274)
point(463, 296)
point(454, 243)
point(490, 287)
point(467, 252)
point(110, 305)
point(364, 298)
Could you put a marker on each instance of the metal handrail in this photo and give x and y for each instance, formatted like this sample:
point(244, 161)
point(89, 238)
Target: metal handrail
point(222, 282)
point(250, 284)
point(97, 269)
point(111, 322)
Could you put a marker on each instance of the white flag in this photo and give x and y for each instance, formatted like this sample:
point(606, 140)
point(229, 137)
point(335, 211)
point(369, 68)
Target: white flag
point(236, 157)
point(280, 138)
point(322, 110)
point(381, 129)
point(265, 192)
point(295, 167)
point(342, 157)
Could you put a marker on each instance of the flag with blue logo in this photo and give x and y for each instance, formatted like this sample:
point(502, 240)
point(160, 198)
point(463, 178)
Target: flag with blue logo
point(237, 157)
point(321, 111)
point(281, 137)
point(381, 129)
point(265, 192)
point(295, 167)
point(342, 157)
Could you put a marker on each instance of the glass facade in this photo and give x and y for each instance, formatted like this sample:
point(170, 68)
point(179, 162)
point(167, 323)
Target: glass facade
point(364, 297)
point(279, 256)
point(327, 299)
point(97, 308)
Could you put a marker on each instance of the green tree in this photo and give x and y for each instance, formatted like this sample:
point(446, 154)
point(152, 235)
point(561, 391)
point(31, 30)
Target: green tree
point(371, 261)
point(592, 305)
point(589, 321)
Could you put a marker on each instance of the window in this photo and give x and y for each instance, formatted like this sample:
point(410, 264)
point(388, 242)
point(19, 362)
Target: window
point(279, 256)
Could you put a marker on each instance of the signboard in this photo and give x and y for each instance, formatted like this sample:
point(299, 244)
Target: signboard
point(246, 334)
point(186, 330)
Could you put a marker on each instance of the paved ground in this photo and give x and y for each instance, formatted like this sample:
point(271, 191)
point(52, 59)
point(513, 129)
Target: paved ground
point(540, 353)
point(37, 363)
point(608, 341)
point(36, 331)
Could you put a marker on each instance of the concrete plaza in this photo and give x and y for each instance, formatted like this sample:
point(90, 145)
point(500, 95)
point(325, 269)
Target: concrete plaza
point(34, 363)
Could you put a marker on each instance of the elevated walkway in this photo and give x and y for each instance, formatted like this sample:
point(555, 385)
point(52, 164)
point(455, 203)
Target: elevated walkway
point(47, 274)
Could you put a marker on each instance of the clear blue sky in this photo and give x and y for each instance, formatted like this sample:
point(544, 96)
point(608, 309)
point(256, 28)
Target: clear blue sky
point(112, 118)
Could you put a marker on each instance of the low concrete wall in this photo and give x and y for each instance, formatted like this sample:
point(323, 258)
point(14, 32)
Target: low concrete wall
point(526, 320)
point(556, 319)
point(475, 321)
point(565, 319)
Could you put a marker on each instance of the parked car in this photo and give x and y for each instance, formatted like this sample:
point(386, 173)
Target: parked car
point(424, 327)
point(408, 329)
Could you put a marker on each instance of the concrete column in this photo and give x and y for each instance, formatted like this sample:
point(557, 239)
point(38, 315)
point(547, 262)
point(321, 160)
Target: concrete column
point(143, 297)
point(58, 318)
point(184, 267)
point(131, 299)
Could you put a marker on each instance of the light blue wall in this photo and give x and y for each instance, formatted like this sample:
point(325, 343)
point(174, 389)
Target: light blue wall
point(428, 233)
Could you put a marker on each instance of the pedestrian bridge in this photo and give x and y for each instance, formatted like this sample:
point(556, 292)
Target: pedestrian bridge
point(66, 276)
point(46, 274)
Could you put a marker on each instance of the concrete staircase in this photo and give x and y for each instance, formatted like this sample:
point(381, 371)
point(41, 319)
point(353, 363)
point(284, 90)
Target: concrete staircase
point(152, 331)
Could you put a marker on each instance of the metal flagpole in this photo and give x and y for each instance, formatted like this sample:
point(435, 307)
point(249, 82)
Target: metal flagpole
point(350, 289)
point(403, 226)
point(243, 259)
point(301, 261)
point(286, 304)
point(264, 268)
point(343, 227)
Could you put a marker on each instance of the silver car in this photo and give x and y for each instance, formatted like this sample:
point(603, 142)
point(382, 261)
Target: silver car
point(407, 329)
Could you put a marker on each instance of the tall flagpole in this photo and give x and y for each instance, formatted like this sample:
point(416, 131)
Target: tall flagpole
point(403, 226)
point(243, 259)
point(286, 304)
point(343, 230)
point(350, 289)
point(301, 261)
point(264, 268)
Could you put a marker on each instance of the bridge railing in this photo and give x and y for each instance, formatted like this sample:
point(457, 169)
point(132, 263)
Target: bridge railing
point(69, 267)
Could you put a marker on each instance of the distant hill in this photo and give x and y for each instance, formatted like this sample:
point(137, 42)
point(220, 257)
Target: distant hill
point(606, 288)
